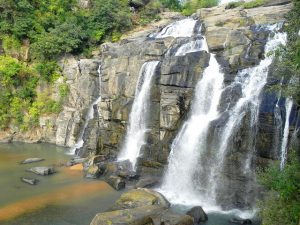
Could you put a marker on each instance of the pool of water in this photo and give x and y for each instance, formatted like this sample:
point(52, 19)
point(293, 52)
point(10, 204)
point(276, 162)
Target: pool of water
point(64, 198)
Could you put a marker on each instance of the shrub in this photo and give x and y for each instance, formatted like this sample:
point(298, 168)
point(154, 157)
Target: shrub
point(282, 204)
point(232, 5)
point(253, 4)
point(191, 6)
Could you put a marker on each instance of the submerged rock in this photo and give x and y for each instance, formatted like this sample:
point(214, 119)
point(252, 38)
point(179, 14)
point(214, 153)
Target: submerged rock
point(32, 160)
point(30, 181)
point(42, 170)
point(116, 182)
point(240, 221)
point(198, 214)
point(168, 217)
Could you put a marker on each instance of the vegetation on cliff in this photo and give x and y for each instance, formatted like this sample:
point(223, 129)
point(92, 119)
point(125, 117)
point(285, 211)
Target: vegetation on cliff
point(34, 34)
point(282, 202)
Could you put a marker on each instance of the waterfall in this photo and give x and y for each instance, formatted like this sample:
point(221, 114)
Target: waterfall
point(252, 81)
point(180, 28)
point(192, 176)
point(89, 116)
point(192, 46)
point(179, 185)
point(284, 144)
point(138, 119)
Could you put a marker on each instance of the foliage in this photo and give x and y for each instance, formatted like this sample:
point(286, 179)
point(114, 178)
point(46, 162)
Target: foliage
point(253, 4)
point(288, 58)
point(232, 5)
point(171, 4)
point(191, 7)
point(282, 204)
point(49, 71)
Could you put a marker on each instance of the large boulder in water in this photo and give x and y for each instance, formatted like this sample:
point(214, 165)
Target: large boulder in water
point(198, 214)
point(140, 197)
point(137, 216)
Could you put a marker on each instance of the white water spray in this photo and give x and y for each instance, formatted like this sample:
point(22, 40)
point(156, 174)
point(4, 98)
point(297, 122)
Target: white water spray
point(190, 142)
point(252, 81)
point(138, 120)
point(284, 144)
point(180, 28)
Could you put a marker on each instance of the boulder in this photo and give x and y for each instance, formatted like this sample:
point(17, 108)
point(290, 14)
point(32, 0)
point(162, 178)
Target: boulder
point(116, 182)
point(168, 217)
point(198, 214)
point(32, 160)
point(147, 182)
point(30, 181)
point(138, 198)
point(42, 170)
point(137, 216)
point(93, 172)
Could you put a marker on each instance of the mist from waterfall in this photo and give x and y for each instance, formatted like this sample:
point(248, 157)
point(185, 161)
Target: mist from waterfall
point(284, 144)
point(138, 119)
point(89, 116)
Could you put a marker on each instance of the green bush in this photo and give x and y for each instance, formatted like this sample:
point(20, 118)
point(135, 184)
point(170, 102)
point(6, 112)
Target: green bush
point(191, 7)
point(282, 204)
point(253, 4)
point(232, 5)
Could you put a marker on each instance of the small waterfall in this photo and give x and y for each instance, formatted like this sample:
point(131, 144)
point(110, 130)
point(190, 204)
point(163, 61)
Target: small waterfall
point(180, 28)
point(252, 81)
point(284, 144)
point(189, 144)
point(89, 116)
point(139, 114)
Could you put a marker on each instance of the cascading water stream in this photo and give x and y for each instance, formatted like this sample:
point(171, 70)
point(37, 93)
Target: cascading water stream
point(252, 81)
point(89, 116)
point(190, 142)
point(138, 120)
point(180, 28)
point(284, 144)
point(140, 109)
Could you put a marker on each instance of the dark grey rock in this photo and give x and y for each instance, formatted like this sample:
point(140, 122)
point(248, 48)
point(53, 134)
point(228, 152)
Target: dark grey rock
point(198, 214)
point(116, 182)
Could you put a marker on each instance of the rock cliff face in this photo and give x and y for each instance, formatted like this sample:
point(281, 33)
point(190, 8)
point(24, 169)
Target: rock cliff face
point(238, 41)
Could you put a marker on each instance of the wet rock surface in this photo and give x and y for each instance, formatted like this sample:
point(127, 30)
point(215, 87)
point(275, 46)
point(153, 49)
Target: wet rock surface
point(31, 160)
point(42, 170)
point(141, 207)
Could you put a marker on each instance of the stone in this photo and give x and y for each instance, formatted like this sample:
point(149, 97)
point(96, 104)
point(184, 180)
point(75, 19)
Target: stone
point(93, 172)
point(140, 197)
point(168, 217)
point(136, 216)
point(30, 181)
point(240, 221)
point(42, 170)
point(32, 160)
point(147, 182)
point(116, 182)
point(198, 214)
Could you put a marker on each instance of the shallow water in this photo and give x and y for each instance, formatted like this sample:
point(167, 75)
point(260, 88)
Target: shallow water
point(65, 198)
